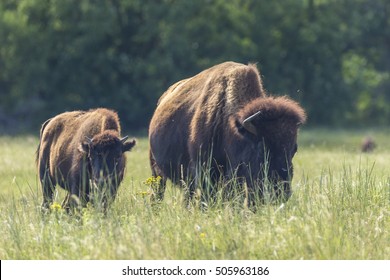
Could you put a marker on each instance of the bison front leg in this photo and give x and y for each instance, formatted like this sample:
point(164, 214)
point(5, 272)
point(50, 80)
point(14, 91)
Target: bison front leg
point(250, 197)
point(158, 188)
point(73, 201)
point(77, 197)
point(204, 185)
point(199, 186)
point(107, 197)
point(256, 193)
point(65, 203)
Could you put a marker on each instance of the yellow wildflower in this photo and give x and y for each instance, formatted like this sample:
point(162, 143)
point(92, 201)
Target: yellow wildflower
point(152, 182)
point(55, 206)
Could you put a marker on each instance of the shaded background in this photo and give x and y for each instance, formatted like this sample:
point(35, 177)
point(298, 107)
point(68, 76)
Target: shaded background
point(333, 56)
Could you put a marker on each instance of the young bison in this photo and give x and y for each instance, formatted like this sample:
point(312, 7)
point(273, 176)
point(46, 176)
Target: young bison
point(82, 152)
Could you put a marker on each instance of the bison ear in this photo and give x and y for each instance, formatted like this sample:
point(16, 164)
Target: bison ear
point(127, 146)
point(248, 123)
point(85, 146)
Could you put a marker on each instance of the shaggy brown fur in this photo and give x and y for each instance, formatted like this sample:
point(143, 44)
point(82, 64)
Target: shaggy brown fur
point(203, 117)
point(79, 150)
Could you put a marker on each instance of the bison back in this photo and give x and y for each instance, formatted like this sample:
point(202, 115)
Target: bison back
point(193, 114)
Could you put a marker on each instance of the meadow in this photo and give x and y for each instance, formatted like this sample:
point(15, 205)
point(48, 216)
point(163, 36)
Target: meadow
point(339, 210)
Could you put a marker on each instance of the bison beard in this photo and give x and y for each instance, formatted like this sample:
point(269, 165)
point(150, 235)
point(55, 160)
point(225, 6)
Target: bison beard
point(83, 153)
point(222, 122)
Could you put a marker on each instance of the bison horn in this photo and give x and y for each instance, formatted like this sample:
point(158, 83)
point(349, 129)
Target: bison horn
point(88, 139)
point(248, 125)
point(123, 140)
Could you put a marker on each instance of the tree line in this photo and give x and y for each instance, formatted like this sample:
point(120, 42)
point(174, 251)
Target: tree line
point(333, 56)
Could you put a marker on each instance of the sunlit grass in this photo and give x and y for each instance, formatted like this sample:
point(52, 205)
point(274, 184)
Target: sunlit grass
point(339, 210)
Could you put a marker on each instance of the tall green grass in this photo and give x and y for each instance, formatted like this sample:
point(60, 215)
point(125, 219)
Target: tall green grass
point(339, 210)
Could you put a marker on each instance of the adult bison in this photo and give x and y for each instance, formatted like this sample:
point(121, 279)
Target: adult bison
point(83, 153)
point(223, 119)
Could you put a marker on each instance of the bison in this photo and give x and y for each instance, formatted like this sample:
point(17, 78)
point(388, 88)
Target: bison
point(368, 145)
point(82, 152)
point(222, 118)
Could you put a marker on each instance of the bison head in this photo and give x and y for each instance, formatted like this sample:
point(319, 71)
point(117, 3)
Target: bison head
point(105, 160)
point(267, 129)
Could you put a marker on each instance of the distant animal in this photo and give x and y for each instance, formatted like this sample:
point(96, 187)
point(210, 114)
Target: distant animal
point(82, 152)
point(368, 145)
point(223, 118)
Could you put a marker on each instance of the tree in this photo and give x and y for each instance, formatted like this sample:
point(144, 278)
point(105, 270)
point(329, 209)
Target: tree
point(332, 56)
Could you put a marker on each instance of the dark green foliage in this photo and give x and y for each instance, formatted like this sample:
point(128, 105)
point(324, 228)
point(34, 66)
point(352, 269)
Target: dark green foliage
point(332, 56)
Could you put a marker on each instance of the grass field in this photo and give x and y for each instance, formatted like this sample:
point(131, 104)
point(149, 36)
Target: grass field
point(339, 210)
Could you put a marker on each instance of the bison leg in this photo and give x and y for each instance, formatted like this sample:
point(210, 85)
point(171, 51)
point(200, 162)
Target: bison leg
point(77, 196)
point(208, 177)
point(66, 203)
point(48, 187)
point(189, 193)
point(192, 184)
point(159, 188)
